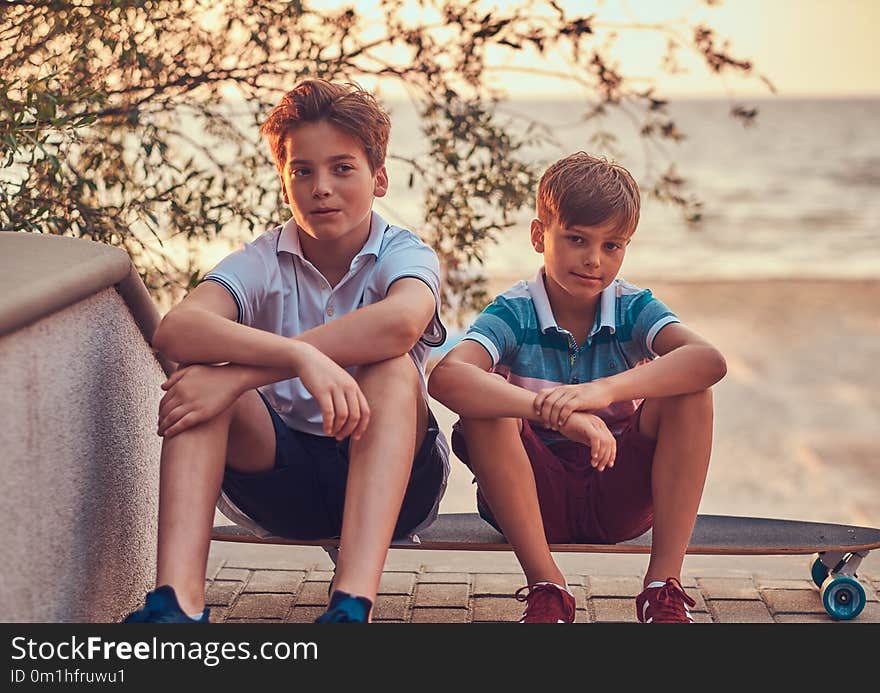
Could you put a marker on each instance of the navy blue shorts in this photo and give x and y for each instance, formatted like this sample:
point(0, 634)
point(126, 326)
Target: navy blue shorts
point(303, 495)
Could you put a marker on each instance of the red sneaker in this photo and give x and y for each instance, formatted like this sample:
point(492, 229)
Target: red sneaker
point(665, 604)
point(546, 603)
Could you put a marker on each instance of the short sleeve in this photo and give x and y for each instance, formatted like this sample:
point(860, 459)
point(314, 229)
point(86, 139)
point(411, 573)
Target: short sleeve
point(648, 315)
point(246, 277)
point(498, 330)
point(406, 256)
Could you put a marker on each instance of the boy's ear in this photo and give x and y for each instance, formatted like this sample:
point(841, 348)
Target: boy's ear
point(380, 182)
point(537, 234)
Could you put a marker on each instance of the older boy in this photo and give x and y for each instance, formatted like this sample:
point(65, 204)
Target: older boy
point(322, 326)
point(602, 425)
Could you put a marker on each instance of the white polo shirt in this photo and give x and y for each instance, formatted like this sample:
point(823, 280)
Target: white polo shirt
point(278, 290)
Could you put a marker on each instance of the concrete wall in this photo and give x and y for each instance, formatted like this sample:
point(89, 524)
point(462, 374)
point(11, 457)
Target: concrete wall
point(79, 392)
point(79, 454)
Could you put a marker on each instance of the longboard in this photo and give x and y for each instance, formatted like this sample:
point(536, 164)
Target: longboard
point(839, 548)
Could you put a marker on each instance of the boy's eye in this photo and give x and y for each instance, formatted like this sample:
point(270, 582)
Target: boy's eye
point(612, 246)
point(345, 168)
point(297, 172)
point(575, 239)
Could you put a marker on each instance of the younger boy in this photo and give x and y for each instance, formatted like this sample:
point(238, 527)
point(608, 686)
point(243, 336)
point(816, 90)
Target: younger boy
point(303, 397)
point(601, 427)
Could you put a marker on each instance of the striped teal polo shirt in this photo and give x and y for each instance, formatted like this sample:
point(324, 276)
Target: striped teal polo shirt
point(529, 348)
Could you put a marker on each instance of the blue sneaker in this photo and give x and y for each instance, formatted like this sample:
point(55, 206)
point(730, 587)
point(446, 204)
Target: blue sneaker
point(346, 608)
point(162, 607)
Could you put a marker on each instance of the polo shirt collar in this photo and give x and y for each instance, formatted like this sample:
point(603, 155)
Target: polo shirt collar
point(289, 242)
point(546, 320)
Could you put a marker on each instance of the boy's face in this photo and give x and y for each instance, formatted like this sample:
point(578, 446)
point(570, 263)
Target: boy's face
point(327, 181)
point(579, 261)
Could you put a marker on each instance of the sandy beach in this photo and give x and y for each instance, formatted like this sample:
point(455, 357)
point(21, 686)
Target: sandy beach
point(796, 417)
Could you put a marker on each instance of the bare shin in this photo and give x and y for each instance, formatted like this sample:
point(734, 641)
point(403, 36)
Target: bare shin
point(682, 427)
point(499, 461)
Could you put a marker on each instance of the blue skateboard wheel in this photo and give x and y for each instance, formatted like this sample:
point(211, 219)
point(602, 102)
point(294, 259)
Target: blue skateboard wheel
point(843, 597)
point(819, 571)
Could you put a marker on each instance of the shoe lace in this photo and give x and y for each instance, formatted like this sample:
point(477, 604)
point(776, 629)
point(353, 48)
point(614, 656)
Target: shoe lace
point(669, 602)
point(543, 603)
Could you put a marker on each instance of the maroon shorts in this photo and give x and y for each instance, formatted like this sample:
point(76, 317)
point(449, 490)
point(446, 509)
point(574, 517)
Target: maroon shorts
point(578, 503)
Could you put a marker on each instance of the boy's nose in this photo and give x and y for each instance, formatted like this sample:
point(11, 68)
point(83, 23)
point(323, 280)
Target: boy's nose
point(591, 260)
point(321, 188)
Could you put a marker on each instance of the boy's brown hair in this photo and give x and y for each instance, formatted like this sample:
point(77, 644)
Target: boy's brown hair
point(347, 106)
point(584, 190)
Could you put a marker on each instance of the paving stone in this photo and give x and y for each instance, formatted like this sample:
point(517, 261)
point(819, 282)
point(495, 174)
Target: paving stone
point(275, 581)
point(870, 614)
point(255, 620)
point(391, 608)
point(793, 601)
point(222, 592)
point(740, 611)
point(320, 576)
point(607, 586)
point(428, 578)
point(582, 616)
point(613, 610)
point(240, 574)
point(214, 566)
point(397, 583)
point(431, 615)
point(261, 606)
point(699, 602)
point(304, 614)
point(772, 584)
point(313, 594)
point(688, 582)
point(728, 588)
point(497, 584)
point(503, 609)
point(442, 595)
point(218, 614)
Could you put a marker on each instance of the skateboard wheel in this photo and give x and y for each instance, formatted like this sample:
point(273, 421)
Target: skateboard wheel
point(819, 571)
point(843, 597)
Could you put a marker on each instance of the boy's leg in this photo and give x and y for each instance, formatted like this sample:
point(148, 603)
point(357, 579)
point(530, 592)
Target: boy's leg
point(498, 459)
point(378, 471)
point(191, 473)
point(682, 427)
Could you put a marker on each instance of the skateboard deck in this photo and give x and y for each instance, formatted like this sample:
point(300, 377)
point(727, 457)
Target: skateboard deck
point(713, 535)
point(837, 549)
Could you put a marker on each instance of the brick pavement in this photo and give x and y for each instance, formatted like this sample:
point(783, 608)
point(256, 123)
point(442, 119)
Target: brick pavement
point(248, 583)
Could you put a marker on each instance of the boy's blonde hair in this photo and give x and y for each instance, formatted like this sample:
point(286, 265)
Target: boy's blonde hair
point(584, 190)
point(347, 106)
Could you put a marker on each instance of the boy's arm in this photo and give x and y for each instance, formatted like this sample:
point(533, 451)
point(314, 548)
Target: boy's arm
point(382, 330)
point(461, 381)
point(197, 393)
point(202, 329)
point(687, 363)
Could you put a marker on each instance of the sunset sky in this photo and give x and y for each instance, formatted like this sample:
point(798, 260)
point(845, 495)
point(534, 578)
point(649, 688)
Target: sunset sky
point(805, 47)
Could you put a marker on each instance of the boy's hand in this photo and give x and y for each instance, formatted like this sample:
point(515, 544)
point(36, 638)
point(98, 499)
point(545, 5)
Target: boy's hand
point(196, 394)
point(554, 405)
point(344, 407)
point(590, 430)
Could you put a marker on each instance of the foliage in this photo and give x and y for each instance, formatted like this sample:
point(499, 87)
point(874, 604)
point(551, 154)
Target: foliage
point(135, 122)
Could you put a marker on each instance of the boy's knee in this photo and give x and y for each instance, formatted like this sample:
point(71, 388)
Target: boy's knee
point(399, 371)
point(490, 428)
point(689, 405)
